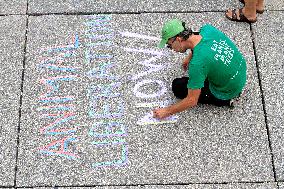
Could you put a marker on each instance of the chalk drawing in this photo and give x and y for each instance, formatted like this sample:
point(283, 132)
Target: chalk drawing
point(98, 18)
point(97, 24)
point(60, 118)
point(103, 90)
point(55, 64)
point(139, 36)
point(104, 43)
point(89, 57)
point(60, 148)
point(52, 85)
point(62, 99)
point(100, 37)
point(102, 71)
point(98, 29)
point(153, 82)
point(59, 107)
point(107, 113)
point(61, 48)
point(153, 104)
point(107, 129)
point(108, 142)
point(146, 51)
point(148, 119)
point(120, 162)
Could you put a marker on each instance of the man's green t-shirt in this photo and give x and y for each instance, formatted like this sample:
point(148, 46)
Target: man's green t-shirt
point(218, 59)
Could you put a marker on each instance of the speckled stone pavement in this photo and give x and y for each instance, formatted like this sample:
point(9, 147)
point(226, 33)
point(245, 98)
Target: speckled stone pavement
point(80, 78)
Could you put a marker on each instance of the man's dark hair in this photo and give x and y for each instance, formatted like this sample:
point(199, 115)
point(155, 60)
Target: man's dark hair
point(185, 33)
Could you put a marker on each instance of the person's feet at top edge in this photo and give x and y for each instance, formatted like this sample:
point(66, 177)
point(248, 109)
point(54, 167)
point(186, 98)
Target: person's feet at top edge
point(259, 6)
point(248, 12)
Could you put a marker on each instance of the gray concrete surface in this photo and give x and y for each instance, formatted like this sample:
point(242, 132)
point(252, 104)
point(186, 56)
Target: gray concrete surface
point(87, 98)
point(13, 7)
point(125, 6)
point(11, 62)
point(269, 49)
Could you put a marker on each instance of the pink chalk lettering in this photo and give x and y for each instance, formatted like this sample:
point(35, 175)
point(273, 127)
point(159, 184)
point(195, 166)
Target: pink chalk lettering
point(60, 148)
point(60, 118)
point(52, 85)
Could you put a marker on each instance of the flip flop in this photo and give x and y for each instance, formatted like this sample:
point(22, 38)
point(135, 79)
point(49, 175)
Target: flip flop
point(257, 11)
point(242, 17)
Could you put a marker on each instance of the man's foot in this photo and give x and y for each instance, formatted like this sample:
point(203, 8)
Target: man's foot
point(239, 16)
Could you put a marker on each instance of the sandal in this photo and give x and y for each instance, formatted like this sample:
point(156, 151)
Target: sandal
point(257, 11)
point(242, 17)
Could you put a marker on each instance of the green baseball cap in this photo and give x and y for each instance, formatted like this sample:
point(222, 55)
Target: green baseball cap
point(170, 29)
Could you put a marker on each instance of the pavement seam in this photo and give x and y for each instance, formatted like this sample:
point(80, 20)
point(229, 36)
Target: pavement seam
point(130, 12)
point(21, 98)
point(263, 102)
point(149, 184)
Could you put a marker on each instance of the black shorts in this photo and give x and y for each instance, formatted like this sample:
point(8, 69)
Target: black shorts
point(179, 88)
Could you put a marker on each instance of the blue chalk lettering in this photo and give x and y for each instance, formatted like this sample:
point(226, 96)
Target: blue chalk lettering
point(56, 99)
point(120, 162)
point(100, 37)
point(106, 113)
point(89, 56)
point(52, 86)
point(102, 72)
point(98, 18)
point(105, 90)
point(66, 48)
point(105, 43)
point(107, 129)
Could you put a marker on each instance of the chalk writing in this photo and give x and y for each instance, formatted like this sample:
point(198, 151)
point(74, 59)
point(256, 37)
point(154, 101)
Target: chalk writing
point(108, 133)
point(150, 67)
point(153, 82)
point(60, 148)
point(58, 114)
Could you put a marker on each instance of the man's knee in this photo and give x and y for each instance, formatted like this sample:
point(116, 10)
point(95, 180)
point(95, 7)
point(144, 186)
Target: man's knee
point(179, 87)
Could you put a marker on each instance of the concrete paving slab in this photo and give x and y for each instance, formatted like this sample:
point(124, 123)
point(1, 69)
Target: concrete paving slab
point(281, 185)
point(107, 6)
point(274, 5)
point(12, 36)
point(88, 97)
point(13, 7)
point(269, 48)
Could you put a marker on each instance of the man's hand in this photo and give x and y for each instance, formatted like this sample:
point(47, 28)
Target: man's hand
point(188, 102)
point(186, 61)
point(161, 113)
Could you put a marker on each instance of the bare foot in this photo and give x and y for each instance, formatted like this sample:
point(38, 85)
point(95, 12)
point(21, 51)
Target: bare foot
point(234, 15)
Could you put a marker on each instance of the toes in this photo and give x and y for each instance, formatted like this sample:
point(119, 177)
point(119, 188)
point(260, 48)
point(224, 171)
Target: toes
point(229, 13)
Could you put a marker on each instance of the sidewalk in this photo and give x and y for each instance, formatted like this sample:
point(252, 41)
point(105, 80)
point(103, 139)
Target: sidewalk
point(79, 113)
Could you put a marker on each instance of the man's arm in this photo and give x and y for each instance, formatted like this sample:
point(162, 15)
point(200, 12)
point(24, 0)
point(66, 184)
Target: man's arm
point(188, 102)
